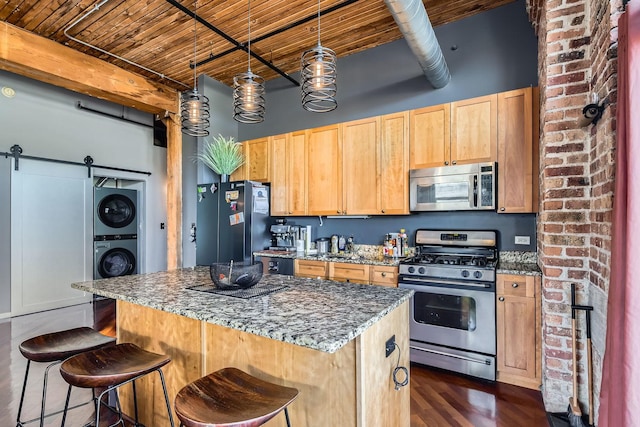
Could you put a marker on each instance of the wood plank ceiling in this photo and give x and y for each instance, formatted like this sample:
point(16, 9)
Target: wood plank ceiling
point(159, 34)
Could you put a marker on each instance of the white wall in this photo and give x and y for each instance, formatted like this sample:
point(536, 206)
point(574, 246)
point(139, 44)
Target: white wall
point(45, 122)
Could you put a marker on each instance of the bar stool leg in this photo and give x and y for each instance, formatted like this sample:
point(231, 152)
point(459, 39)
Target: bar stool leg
point(24, 388)
point(166, 397)
point(286, 415)
point(66, 406)
point(44, 390)
point(135, 402)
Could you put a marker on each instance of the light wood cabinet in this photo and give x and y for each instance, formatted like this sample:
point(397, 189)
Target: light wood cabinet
point(430, 137)
point(349, 272)
point(361, 166)
point(288, 184)
point(518, 327)
point(324, 171)
point(310, 268)
point(384, 275)
point(394, 164)
point(474, 135)
point(517, 152)
point(240, 174)
point(461, 132)
point(257, 151)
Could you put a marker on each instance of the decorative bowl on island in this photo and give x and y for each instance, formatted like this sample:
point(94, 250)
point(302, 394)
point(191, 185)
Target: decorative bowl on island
point(235, 275)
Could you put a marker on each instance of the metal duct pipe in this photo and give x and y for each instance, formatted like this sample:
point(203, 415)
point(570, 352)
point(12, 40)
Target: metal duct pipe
point(413, 21)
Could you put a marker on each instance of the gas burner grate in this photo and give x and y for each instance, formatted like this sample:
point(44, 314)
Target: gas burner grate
point(256, 291)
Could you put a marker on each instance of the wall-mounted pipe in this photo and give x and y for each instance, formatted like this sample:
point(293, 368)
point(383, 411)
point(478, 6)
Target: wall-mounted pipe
point(413, 21)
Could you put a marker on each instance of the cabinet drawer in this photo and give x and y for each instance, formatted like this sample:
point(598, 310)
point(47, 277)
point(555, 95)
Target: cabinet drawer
point(385, 276)
point(515, 285)
point(313, 269)
point(343, 271)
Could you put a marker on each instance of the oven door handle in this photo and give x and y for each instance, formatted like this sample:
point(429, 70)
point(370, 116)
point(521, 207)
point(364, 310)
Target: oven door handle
point(456, 356)
point(447, 282)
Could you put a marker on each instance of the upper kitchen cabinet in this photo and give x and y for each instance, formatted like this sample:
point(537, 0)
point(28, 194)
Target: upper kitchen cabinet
point(394, 164)
point(288, 183)
point(430, 134)
point(324, 171)
point(461, 132)
point(240, 174)
point(474, 130)
point(257, 151)
point(517, 151)
point(360, 167)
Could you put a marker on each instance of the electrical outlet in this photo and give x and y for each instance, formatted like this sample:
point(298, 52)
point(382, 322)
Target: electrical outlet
point(523, 240)
point(389, 346)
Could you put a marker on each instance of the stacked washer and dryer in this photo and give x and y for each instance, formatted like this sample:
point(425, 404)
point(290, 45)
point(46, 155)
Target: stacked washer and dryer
point(115, 230)
point(115, 246)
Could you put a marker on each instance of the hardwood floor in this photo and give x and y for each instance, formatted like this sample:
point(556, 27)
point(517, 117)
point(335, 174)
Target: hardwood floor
point(437, 398)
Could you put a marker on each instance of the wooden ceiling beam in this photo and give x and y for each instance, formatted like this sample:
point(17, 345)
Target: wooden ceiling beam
point(29, 55)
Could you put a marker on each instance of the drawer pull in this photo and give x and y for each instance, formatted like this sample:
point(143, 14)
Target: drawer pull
point(501, 298)
point(514, 285)
point(383, 274)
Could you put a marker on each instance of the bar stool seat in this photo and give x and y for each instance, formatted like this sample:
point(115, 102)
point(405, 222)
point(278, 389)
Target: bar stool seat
point(53, 348)
point(112, 367)
point(231, 398)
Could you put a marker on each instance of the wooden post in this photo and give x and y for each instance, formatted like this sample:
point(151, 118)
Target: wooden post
point(174, 192)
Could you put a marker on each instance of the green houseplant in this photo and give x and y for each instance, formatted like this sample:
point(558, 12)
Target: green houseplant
point(222, 155)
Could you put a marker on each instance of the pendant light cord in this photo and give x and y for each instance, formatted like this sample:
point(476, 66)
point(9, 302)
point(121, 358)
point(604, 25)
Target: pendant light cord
point(195, 36)
point(318, 22)
point(249, 44)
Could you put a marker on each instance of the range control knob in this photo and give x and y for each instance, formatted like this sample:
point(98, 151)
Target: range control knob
point(412, 270)
point(465, 273)
point(421, 270)
point(477, 274)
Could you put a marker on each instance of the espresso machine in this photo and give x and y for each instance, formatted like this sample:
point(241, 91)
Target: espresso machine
point(284, 236)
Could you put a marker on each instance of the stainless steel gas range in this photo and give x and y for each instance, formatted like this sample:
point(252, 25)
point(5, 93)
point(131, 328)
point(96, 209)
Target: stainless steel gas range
point(453, 310)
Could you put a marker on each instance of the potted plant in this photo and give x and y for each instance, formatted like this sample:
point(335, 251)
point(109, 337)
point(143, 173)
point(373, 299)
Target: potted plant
point(222, 155)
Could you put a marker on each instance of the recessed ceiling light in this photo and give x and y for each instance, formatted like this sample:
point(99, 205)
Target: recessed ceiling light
point(8, 92)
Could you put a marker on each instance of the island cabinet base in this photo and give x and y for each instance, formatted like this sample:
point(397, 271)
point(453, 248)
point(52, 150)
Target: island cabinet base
point(351, 387)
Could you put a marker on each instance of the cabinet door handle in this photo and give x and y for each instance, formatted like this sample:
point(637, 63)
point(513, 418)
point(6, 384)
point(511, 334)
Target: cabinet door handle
point(501, 298)
point(446, 163)
point(514, 285)
point(501, 209)
point(382, 211)
point(454, 163)
point(383, 274)
point(290, 212)
point(338, 212)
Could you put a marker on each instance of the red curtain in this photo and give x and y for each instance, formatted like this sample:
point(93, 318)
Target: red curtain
point(620, 392)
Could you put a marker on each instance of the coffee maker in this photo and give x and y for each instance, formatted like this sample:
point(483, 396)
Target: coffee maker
point(283, 236)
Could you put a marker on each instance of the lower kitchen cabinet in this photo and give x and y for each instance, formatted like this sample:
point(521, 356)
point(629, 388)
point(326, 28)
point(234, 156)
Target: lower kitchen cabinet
point(310, 268)
point(384, 276)
point(518, 330)
point(349, 272)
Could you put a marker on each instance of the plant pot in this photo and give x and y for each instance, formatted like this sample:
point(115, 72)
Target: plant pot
point(224, 177)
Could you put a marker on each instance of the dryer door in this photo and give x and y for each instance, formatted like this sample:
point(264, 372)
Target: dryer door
point(116, 210)
point(116, 262)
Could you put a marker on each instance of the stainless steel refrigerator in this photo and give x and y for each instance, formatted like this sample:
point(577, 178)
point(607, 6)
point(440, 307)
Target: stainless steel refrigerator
point(232, 221)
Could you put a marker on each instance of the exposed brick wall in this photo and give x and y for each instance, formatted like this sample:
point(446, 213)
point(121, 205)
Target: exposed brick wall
point(577, 58)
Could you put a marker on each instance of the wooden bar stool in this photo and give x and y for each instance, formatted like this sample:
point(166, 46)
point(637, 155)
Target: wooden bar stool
point(112, 367)
point(231, 398)
point(53, 348)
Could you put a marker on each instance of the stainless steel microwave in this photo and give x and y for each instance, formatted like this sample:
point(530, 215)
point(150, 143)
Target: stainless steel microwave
point(453, 188)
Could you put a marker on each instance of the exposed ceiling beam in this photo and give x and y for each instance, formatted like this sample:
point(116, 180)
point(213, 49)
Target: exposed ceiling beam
point(29, 55)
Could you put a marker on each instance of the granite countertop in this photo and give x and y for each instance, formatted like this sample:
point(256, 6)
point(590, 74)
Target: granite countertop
point(518, 262)
point(349, 258)
point(319, 314)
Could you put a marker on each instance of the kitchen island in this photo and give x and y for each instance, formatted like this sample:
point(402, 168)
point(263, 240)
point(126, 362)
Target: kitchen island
point(325, 338)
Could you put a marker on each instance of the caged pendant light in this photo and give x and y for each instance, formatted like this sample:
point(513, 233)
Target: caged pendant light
point(319, 73)
point(194, 108)
point(248, 92)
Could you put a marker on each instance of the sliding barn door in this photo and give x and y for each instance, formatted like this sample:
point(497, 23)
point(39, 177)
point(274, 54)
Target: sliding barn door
point(51, 235)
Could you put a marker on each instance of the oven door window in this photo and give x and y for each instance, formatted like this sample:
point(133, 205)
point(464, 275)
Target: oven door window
point(449, 311)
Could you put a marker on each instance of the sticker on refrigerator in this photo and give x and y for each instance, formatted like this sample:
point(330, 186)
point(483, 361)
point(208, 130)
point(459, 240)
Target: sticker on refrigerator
point(231, 195)
point(236, 219)
point(261, 201)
